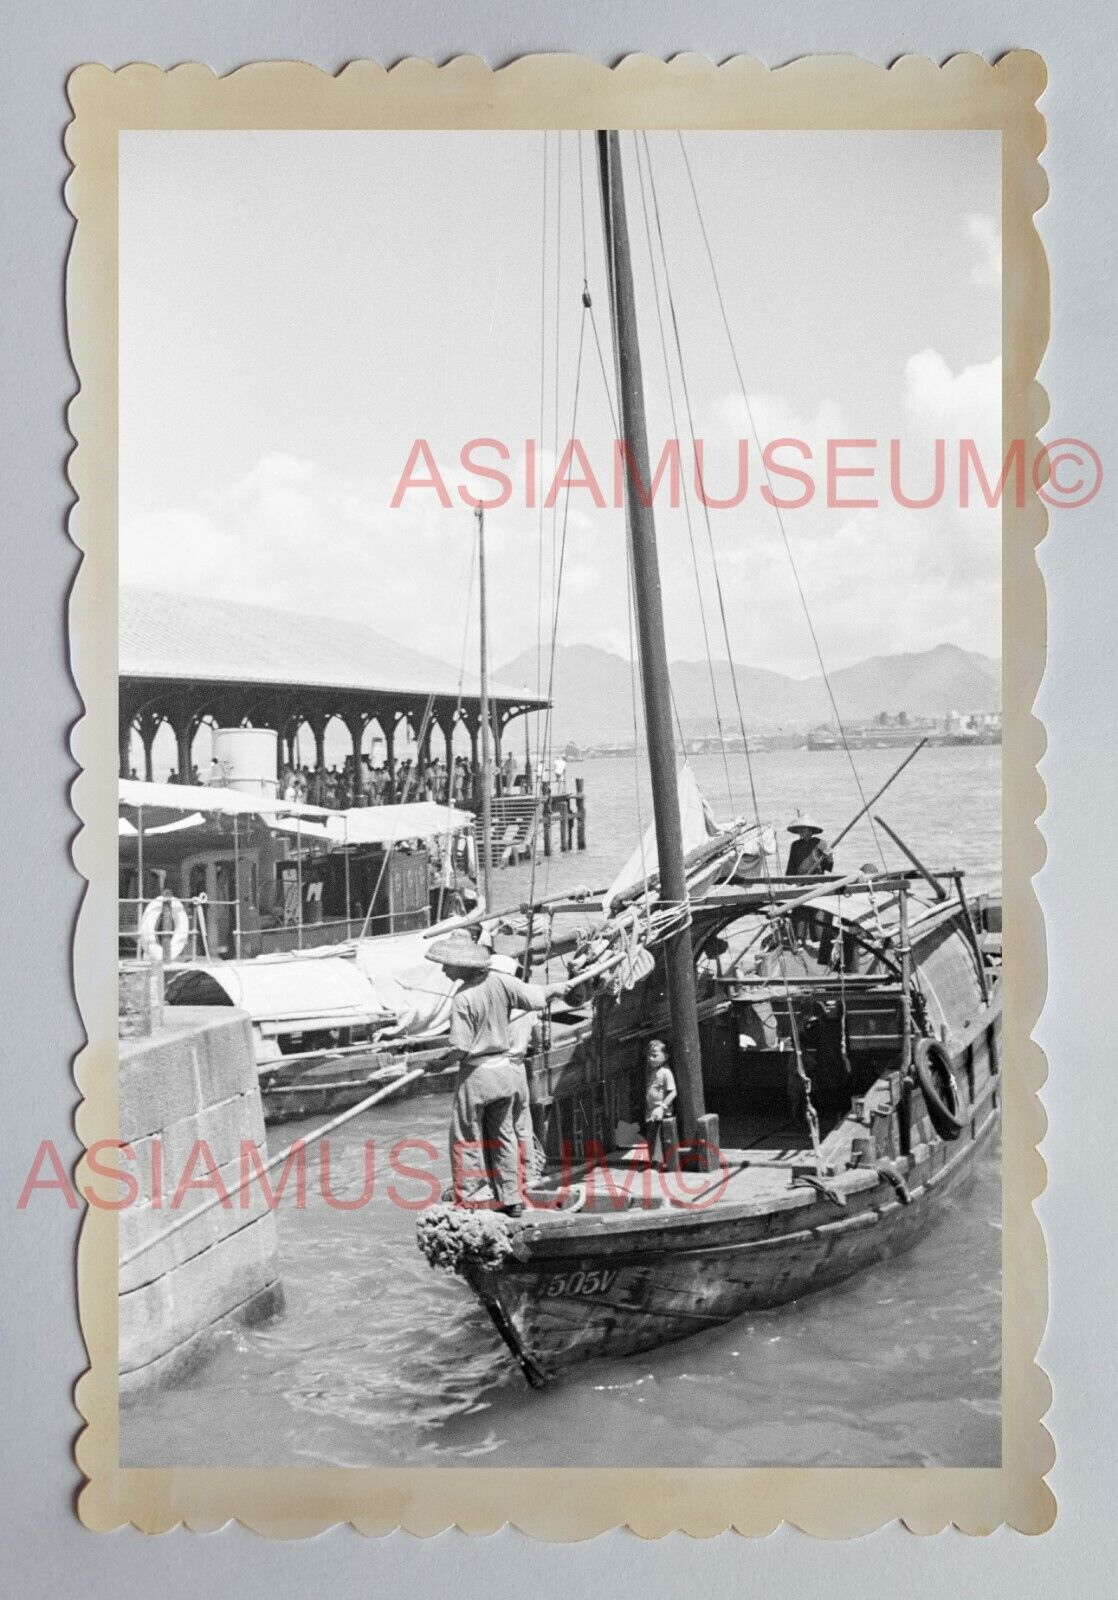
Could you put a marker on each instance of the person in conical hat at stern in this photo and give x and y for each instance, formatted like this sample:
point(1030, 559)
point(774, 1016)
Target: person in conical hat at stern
point(491, 1136)
point(808, 856)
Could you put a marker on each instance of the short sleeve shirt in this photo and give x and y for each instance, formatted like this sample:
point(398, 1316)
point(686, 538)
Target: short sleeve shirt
point(480, 1013)
point(660, 1086)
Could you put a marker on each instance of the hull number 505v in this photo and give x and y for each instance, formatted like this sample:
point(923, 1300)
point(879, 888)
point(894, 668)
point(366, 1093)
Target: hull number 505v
point(596, 1281)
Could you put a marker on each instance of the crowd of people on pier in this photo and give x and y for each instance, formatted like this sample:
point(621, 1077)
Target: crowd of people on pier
point(458, 784)
point(333, 786)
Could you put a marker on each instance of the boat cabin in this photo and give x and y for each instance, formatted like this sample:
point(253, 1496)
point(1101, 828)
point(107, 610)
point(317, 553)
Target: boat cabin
point(824, 1019)
point(216, 884)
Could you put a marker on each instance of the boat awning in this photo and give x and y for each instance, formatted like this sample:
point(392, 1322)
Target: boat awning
point(288, 990)
point(200, 797)
point(300, 830)
point(390, 824)
point(194, 820)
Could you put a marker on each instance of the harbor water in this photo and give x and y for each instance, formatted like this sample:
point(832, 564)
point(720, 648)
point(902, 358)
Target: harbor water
point(380, 1361)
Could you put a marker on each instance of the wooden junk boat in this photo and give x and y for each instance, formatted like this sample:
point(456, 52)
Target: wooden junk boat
point(835, 1041)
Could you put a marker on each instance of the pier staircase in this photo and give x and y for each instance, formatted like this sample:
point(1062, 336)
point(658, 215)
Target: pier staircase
point(516, 827)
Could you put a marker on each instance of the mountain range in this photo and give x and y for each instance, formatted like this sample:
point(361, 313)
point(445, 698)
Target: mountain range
point(593, 700)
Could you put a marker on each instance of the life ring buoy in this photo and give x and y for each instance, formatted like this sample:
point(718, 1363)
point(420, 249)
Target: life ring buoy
point(942, 1094)
point(470, 852)
point(149, 925)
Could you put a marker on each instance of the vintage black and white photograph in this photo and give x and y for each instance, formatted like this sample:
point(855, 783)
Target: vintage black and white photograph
point(560, 797)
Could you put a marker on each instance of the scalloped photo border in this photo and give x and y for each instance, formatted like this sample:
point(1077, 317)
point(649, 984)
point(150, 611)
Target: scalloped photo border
point(561, 91)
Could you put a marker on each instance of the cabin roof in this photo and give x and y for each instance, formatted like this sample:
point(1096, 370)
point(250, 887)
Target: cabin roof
point(282, 989)
point(193, 637)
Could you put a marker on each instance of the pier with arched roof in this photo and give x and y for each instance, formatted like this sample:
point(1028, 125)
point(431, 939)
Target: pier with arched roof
point(188, 660)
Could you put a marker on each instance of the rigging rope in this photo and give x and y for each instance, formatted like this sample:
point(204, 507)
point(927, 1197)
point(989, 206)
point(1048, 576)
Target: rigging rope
point(558, 587)
point(706, 515)
point(772, 497)
point(683, 482)
point(446, 837)
point(801, 1070)
point(543, 406)
point(555, 418)
point(617, 435)
point(636, 681)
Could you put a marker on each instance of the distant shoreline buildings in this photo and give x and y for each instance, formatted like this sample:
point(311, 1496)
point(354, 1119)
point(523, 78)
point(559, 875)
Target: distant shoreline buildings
point(886, 731)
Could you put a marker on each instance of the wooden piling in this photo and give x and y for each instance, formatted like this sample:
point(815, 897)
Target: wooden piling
point(670, 1155)
point(707, 1141)
point(580, 812)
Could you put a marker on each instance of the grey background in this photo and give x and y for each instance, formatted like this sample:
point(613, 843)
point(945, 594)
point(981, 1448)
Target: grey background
point(45, 1550)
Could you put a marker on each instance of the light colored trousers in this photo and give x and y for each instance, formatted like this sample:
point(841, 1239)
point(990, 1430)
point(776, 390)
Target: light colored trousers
point(492, 1143)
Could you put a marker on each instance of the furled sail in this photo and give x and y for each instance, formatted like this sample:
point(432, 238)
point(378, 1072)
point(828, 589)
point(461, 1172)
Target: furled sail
point(698, 828)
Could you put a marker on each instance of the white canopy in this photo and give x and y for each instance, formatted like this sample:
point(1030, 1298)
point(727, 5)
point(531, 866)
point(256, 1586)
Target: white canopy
point(194, 820)
point(299, 829)
point(390, 824)
point(283, 991)
point(415, 990)
point(199, 797)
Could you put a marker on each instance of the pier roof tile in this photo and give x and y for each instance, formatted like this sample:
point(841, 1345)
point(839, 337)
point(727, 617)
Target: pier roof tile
point(194, 638)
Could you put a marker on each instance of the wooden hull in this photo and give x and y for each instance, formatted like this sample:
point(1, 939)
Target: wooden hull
point(609, 1274)
point(333, 1083)
point(611, 1288)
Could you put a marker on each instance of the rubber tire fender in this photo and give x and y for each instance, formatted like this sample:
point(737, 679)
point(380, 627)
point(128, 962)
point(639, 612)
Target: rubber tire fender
point(933, 1070)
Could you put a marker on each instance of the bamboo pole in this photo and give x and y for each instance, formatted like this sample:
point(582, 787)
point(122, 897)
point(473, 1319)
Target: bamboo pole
point(140, 869)
point(905, 952)
point(236, 889)
point(345, 851)
point(299, 877)
point(872, 801)
point(937, 888)
point(832, 886)
point(972, 934)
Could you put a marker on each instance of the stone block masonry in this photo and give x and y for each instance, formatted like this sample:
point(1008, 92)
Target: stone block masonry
point(190, 1081)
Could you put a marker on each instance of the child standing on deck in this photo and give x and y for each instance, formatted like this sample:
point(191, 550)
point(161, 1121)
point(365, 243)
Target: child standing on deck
point(659, 1097)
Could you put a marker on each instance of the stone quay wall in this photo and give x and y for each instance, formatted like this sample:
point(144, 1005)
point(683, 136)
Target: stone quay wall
point(193, 1079)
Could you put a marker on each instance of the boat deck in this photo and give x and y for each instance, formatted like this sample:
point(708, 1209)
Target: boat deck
point(769, 1173)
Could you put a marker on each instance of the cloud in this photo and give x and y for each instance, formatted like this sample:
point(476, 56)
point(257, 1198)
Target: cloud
point(880, 580)
point(985, 234)
point(293, 534)
point(949, 405)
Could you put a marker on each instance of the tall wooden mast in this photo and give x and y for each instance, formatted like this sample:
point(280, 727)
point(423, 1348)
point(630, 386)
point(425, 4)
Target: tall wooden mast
point(678, 960)
point(486, 851)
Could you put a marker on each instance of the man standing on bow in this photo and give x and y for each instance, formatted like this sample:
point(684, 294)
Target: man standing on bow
point(490, 1116)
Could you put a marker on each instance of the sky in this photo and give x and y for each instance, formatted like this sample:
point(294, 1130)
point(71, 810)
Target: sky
point(298, 308)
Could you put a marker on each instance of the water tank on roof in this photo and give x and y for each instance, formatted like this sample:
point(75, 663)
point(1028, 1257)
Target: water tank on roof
point(247, 757)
